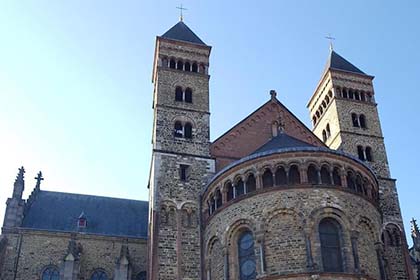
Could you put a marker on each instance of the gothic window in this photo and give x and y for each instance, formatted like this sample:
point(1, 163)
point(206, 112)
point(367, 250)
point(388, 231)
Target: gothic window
point(267, 179)
point(187, 66)
point(360, 153)
point(329, 235)
point(99, 275)
point(180, 65)
point(194, 67)
point(239, 186)
point(246, 257)
point(325, 176)
point(141, 276)
point(230, 192)
point(368, 152)
point(188, 95)
point(312, 174)
point(50, 273)
point(172, 64)
point(251, 184)
point(188, 131)
point(281, 178)
point(355, 120)
point(178, 94)
point(294, 175)
point(336, 177)
point(362, 121)
point(183, 172)
point(178, 130)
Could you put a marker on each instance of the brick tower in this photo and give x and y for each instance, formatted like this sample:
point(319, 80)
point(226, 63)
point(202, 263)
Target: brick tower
point(345, 116)
point(181, 160)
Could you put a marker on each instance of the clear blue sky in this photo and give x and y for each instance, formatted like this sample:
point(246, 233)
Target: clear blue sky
point(76, 92)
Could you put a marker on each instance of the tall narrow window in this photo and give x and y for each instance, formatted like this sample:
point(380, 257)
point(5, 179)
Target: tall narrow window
point(194, 67)
point(251, 184)
point(345, 93)
point(294, 175)
point(325, 176)
point(246, 257)
point(360, 153)
point(267, 179)
point(183, 172)
point(324, 135)
point(362, 96)
point(312, 175)
point(368, 152)
point(178, 94)
point(178, 131)
point(355, 120)
point(172, 64)
point(328, 130)
point(180, 65)
point(218, 199)
point(51, 273)
point(362, 121)
point(230, 192)
point(281, 178)
point(329, 235)
point(351, 181)
point(187, 66)
point(239, 187)
point(336, 177)
point(188, 131)
point(351, 95)
point(188, 95)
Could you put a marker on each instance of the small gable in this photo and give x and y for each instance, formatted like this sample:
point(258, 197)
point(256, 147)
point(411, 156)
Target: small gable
point(256, 130)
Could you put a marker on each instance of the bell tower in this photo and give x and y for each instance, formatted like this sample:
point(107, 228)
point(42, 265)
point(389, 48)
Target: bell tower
point(344, 115)
point(181, 155)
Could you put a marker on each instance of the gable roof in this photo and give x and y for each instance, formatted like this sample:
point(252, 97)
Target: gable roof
point(337, 62)
point(181, 32)
point(282, 140)
point(56, 211)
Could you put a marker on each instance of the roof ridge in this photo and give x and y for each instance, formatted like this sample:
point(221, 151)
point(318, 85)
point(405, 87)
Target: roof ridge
point(91, 195)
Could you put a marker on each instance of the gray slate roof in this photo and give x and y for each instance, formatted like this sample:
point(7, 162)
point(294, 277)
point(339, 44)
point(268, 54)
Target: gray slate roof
point(336, 61)
point(282, 140)
point(56, 211)
point(181, 32)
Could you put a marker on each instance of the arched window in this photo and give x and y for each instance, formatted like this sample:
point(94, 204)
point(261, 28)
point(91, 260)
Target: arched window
point(356, 95)
point(218, 197)
point(180, 65)
point(246, 257)
point(368, 152)
point(172, 64)
point(327, 99)
point(230, 192)
point(324, 105)
point(351, 181)
point(324, 135)
point(360, 153)
point(312, 174)
point(188, 131)
point(141, 276)
point(329, 236)
point(294, 175)
point(321, 110)
point(188, 95)
point(165, 62)
point(351, 95)
point(325, 176)
point(336, 177)
point(362, 121)
point(178, 94)
point(359, 184)
point(314, 120)
point(50, 273)
point(345, 93)
point(99, 275)
point(280, 175)
point(318, 114)
point(362, 96)
point(328, 130)
point(251, 184)
point(240, 187)
point(194, 68)
point(178, 131)
point(187, 66)
point(267, 179)
point(355, 120)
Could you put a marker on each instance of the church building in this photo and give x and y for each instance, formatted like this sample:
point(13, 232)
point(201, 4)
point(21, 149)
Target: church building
point(269, 199)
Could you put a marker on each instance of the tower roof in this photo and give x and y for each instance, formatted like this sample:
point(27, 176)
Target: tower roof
point(337, 62)
point(181, 32)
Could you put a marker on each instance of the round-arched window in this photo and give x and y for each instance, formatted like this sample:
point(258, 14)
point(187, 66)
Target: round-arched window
point(329, 235)
point(246, 254)
point(99, 275)
point(50, 273)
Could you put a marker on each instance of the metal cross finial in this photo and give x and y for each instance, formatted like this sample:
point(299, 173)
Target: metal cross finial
point(329, 37)
point(181, 9)
point(39, 178)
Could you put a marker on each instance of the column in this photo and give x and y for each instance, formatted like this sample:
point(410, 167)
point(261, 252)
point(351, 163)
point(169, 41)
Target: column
point(354, 237)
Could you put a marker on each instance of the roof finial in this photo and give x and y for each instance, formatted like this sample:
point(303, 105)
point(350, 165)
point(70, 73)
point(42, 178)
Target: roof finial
point(38, 179)
point(273, 94)
point(181, 9)
point(329, 37)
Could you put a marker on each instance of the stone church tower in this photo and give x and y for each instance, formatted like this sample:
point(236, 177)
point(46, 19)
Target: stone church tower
point(345, 116)
point(181, 158)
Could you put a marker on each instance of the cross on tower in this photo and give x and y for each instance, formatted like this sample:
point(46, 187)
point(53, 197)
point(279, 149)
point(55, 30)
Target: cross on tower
point(181, 9)
point(331, 39)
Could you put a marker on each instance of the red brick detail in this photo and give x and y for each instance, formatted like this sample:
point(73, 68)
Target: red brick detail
point(256, 130)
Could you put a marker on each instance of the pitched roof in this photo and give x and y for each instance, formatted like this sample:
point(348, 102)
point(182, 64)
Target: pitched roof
point(336, 61)
point(56, 211)
point(181, 32)
point(282, 140)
